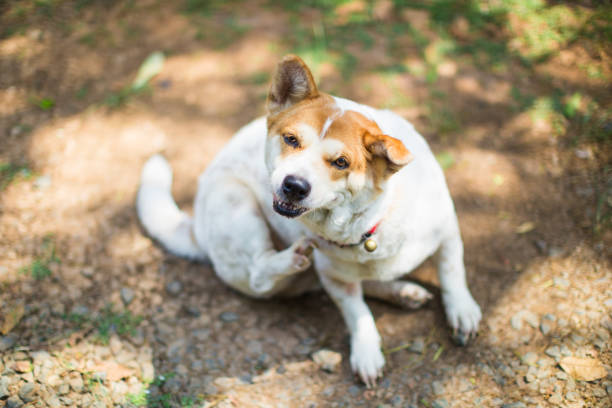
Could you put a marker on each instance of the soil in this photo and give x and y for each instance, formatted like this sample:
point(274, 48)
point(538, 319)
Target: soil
point(110, 325)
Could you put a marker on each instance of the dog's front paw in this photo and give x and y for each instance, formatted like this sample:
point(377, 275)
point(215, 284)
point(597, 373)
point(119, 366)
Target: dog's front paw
point(463, 314)
point(412, 296)
point(367, 359)
point(302, 254)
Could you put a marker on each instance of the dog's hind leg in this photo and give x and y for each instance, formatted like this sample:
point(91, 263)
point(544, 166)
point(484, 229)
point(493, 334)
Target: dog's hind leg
point(404, 294)
point(240, 243)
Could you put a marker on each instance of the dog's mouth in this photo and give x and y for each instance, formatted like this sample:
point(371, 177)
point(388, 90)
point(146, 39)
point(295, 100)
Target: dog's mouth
point(288, 209)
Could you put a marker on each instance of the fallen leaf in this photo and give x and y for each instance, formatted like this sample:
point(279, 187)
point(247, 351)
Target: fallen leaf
point(525, 227)
point(12, 318)
point(114, 371)
point(149, 68)
point(585, 369)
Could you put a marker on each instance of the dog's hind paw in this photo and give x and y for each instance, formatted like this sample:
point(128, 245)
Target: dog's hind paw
point(302, 254)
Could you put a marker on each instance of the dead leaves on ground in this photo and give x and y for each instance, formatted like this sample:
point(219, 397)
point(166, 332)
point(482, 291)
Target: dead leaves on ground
point(585, 369)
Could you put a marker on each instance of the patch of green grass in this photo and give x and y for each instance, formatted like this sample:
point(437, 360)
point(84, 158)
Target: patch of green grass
point(40, 268)
point(43, 103)
point(10, 172)
point(110, 321)
point(445, 159)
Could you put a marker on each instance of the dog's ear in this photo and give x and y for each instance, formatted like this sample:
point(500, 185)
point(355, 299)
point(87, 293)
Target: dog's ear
point(291, 84)
point(387, 153)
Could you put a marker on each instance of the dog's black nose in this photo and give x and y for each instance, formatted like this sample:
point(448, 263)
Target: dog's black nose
point(295, 188)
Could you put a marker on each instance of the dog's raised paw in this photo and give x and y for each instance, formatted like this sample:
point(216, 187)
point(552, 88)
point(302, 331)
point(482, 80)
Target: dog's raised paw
point(302, 252)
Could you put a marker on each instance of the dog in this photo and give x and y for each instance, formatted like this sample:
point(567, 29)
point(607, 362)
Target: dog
point(328, 183)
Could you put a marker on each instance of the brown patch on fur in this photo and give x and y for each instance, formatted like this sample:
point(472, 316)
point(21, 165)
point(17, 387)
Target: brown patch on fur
point(292, 83)
point(388, 154)
point(312, 112)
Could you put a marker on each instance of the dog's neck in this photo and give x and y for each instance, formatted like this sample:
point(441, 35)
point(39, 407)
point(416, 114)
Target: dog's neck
point(346, 222)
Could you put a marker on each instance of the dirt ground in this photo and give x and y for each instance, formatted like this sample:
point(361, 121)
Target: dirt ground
point(93, 313)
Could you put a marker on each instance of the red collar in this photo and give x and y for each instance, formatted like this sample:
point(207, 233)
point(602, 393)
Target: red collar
point(363, 238)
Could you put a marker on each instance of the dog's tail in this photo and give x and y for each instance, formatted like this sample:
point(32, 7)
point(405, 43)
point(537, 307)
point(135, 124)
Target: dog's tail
point(159, 214)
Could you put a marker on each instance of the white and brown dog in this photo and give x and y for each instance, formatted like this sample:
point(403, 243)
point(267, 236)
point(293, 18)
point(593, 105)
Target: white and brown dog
point(329, 179)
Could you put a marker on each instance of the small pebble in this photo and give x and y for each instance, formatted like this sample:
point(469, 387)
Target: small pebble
point(531, 318)
point(561, 375)
point(228, 317)
point(516, 321)
point(437, 387)
point(66, 401)
point(353, 390)
point(599, 392)
point(514, 405)
point(441, 403)
point(565, 351)
point(26, 392)
point(418, 345)
point(530, 358)
point(329, 391)
point(327, 360)
point(4, 383)
point(553, 352)
point(42, 182)
point(550, 316)
point(63, 389)
point(127, 295)
point(571, 396)
point(609, 389)
point(8, 341)
point(545, 328)
point(555, 398)
point(87, 272)
point(193, 311)
point(13, 402)
point(174, 288)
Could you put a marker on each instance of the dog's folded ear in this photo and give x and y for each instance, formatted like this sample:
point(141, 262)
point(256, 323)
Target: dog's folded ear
point(387, 153)
point(291, 84)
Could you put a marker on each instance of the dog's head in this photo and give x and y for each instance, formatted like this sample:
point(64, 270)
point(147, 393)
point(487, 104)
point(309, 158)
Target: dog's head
point(319, 155)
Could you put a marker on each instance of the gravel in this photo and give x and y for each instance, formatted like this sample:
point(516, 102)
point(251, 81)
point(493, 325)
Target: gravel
point(13, 402)
point(4, 383)
point(530, 358)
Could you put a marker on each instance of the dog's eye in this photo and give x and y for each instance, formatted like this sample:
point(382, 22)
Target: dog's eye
point(291, 140)
point(341, 163)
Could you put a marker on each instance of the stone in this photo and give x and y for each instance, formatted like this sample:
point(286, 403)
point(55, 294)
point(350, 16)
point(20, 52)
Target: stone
point(550, 316)
point(553, 352)
point(53, 401)
point(63, 389)
point(4, 383)
point(565, 351)
point(437, 387)
point(228, 317)
point(571, 396)
point(354, 390)
point(26, 392)
point(531, 318)
point(197, 365)
point(174, 287)
point(516, 321)
point(514, 405)
point(560, 282)
point(22, 367)
point(599, 392)
point(530, 358)
point(42, 182)
point(13, 402)
point(555, 398)
point(418, 345)
point(561, 375)
point(545, 328)
point(127, 295)
point(76, 382)
point(8, 341)
point(193, 311)
point(327, 360)
point(440, 403)
point(66, 401)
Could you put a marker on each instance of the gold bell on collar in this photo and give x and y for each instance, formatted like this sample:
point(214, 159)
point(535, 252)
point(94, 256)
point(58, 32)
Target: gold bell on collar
point(370, 245)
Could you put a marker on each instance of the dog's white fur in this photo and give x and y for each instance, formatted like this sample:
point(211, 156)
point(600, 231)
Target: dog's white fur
point(234, 224)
